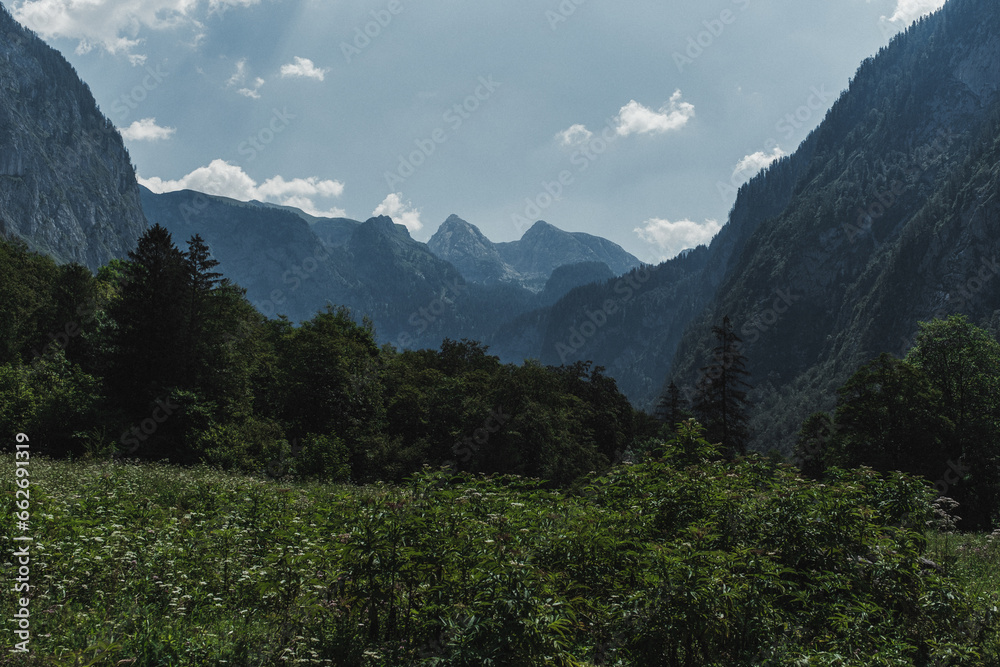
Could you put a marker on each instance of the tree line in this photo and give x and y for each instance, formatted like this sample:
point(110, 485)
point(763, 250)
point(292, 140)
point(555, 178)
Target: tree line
point(158, 357)
point(934, 413)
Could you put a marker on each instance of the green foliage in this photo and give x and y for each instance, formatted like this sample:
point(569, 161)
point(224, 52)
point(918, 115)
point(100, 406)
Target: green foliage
point(888, 419)
point(811, 447)
point(962, 362)
point(52, 399)
point(657, 563)
point(936, 413)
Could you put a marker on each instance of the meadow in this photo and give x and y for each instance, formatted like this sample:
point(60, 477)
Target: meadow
point(678, 560)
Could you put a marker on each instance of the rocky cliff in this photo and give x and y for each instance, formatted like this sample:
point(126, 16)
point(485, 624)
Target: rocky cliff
point(67, 184)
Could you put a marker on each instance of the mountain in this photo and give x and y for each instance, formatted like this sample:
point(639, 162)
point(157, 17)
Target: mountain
point(528, 262)
point(544, 247)
point(565, 279)
point(471, 252)
point(886, 215)
point(291, 267)
point(67, 184)
point(334, 231)
point(893, 221)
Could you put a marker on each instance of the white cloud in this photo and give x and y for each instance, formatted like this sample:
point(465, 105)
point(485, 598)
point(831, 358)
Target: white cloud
point(147, 130)
point(576, 135)
point(252, 92)
point(908, 11)
point(403, 214)
point(673, 237)
point(748, 167)
point(303, 67)
point(229, 180)
point(240, 76)
point(240, 73)
point(114, 25)
point(637, 119)
point(278, 187)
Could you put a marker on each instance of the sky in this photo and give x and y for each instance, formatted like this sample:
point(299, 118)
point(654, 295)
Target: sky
point(633, 120)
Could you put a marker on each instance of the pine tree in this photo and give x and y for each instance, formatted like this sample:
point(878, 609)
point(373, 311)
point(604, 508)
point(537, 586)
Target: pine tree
point(202, 283)
point(721, 400)
point(150, 319)
point(671, 408)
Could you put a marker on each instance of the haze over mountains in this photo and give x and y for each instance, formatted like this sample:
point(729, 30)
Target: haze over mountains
point(886, 215)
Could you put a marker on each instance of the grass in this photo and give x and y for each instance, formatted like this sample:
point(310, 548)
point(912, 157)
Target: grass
point(158, 565)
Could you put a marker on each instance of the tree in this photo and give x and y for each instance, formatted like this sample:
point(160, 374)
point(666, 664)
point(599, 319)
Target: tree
point(721, 399)
point(202, 282)
point(329, 380)
point(813, 443)
point(672, 409)
point(150, 321)
point(962, 362)
point(887, 418)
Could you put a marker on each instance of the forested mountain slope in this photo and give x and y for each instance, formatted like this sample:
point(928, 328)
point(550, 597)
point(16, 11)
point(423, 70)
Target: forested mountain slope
point(894, 219)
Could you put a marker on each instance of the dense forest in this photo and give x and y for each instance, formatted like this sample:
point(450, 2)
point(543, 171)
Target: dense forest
point(157, 358)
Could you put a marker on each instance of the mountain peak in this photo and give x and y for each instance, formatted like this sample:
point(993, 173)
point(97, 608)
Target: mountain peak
point(386, 225)
point(540, 227)
point(454, 220)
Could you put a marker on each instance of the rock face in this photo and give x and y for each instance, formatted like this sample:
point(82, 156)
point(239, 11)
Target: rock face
point(471, 252)
point(528, 262)
point(67, 184)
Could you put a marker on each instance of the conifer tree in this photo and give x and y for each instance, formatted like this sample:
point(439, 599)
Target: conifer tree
point(721, 399)
point(202, 283)
point(150, 318)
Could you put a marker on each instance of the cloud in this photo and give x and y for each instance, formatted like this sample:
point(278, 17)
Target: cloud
point(240, 76)
point(908, 11)
point(252, 92)
point(576, 135)
point(303, 67)
point(673, 237)
point(279, 188)
point(637, 119)
point(114, 25)
point(748, 167)
point(147, 130)
point(403, 214)
point(229, 180)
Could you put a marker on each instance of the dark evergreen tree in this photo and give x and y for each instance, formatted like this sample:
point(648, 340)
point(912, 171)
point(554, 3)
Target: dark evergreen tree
point(721, 399)
point(150, 321)
point(202, 283)
point(812, 445)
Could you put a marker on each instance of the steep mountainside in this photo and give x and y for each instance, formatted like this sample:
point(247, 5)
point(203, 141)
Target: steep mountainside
point(67, 185)
point(462, 244)
point(894, 220)
point(885, 215)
